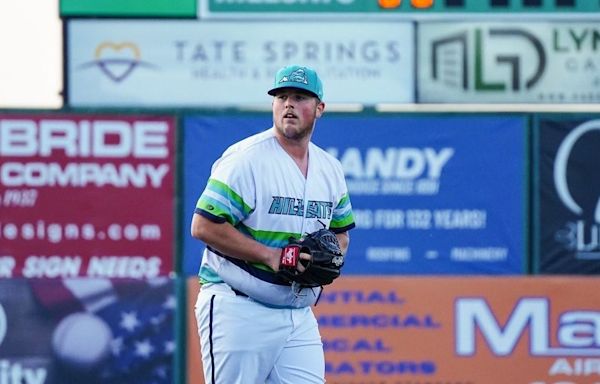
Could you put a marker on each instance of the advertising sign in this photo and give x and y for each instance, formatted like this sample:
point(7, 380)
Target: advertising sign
point(431, 194)
point(184, 63)
point(532, 62)
point(567, 194)
point(129, 8)
point(384, 8)
point(94, 331)
point(477, 330)
point(204, 140)
point(86, 195)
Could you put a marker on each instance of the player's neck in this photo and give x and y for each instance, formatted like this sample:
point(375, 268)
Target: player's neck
point(298, 151)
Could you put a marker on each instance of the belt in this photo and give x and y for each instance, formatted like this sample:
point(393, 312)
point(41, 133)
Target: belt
point(239, 293)
point(261, 274)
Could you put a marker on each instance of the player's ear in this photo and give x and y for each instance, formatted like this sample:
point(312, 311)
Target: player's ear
point(320, 108)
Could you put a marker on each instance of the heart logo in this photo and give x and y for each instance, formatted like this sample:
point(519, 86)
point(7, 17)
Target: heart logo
point(117, 60)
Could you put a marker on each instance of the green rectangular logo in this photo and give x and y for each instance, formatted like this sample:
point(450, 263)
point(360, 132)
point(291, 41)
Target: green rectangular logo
point(125, 8)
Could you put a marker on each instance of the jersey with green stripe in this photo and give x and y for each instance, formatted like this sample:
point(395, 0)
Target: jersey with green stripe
point(258, 188)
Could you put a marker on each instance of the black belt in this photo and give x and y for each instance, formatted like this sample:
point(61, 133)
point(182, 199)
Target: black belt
point(269, 277)
point(239, 293)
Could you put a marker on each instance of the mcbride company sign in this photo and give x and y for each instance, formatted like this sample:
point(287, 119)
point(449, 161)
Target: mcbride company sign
point(75, 192)
point(540, 62)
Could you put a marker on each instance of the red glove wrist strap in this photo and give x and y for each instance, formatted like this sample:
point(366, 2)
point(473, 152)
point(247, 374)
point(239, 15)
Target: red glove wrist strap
point(289, 256)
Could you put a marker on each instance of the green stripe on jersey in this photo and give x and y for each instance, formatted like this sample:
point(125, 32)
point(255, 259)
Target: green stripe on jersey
point(235, 199)
point(220, 200)
point(342, 221)
point(342, 214)
point(216, 208)
point(268, 238)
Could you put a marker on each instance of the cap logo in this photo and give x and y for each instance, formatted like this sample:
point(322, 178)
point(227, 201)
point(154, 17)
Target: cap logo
point(298, 76)
point(295, 76)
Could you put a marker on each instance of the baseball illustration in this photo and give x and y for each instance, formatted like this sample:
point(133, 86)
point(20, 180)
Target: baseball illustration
point(81, 342)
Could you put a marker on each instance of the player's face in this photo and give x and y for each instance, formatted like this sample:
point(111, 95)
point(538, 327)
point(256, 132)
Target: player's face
point(295, 112)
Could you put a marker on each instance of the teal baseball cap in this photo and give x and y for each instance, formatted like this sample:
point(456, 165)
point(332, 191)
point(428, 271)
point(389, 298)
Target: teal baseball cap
point(296, 76)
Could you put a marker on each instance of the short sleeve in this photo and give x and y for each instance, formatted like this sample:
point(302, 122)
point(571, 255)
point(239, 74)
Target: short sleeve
point(342, 218)
point(229, 195)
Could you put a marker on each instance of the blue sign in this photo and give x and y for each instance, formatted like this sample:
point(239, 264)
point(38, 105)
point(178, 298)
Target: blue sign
point(566, 194)
point(205, 138)
point(432, 194)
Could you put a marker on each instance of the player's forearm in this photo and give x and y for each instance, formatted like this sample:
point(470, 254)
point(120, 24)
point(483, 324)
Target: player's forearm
point(344, 240)
point(229, 241)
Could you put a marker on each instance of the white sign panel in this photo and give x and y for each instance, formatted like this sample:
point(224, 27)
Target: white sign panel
point(534, 62)
point(187, 63)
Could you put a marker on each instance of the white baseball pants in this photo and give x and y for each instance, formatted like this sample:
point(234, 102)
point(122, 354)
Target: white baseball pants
point(244, 342)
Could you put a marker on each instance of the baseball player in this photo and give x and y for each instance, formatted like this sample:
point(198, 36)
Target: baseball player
point(256, 326)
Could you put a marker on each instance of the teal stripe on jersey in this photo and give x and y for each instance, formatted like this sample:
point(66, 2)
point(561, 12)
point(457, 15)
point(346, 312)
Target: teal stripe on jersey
point(343, 221)
point(207, 275)
point(235, 199)
point(342, 214)
point(344, 202)
point(220, 200)
point(217, 208)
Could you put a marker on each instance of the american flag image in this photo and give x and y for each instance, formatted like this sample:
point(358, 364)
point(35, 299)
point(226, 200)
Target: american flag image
point(140, 315)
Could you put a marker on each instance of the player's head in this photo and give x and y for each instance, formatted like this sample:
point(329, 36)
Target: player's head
point(300, 77)
point(297, 101)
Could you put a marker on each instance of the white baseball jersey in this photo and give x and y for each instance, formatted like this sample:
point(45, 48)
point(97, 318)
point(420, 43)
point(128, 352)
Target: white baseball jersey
point(258, 188)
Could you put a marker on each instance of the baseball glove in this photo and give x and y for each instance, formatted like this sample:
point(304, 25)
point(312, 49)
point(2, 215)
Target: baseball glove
point(323, 267)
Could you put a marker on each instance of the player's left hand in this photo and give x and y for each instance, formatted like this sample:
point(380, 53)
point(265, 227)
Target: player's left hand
point(312, 261)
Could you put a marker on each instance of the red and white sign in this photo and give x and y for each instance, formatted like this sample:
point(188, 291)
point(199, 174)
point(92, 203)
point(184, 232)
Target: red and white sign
point(86, 195)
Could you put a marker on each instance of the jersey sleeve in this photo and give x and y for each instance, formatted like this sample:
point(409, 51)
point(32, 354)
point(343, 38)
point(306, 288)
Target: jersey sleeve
point(342, 218)
point(229, 195)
